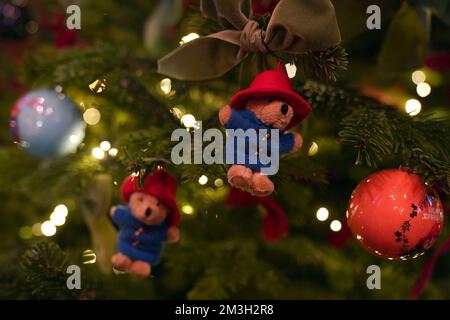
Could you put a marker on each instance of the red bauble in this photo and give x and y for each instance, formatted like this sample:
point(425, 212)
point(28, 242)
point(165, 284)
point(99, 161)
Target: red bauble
point(392, 214)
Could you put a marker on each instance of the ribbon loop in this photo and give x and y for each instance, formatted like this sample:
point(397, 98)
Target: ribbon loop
point(251, 39)
point(294, 27)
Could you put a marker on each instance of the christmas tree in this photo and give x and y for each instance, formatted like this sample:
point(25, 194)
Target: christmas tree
point(123, 75)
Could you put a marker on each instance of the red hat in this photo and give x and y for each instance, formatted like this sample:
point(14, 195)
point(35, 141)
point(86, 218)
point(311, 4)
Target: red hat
point(159, 184)
point(275, 84)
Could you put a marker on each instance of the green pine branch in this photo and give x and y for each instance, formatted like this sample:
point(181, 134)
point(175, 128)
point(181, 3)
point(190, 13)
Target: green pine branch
point(42, 275)
point(378, 131)
point(325, 65)
point(125, 75)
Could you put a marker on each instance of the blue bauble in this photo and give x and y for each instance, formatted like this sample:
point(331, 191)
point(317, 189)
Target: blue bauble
point(47, 124)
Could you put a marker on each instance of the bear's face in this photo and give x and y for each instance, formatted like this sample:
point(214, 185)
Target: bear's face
point(271, 111)
point(148, 209)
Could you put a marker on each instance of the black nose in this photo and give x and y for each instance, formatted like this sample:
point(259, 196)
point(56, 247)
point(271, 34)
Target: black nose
point(284, 108)
point(148, 212)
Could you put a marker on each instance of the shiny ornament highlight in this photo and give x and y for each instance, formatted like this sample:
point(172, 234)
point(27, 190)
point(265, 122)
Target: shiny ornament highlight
point(46, 124)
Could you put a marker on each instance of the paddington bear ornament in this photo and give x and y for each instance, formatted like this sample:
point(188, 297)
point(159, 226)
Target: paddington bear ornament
point(148, 219)
point(269, 106)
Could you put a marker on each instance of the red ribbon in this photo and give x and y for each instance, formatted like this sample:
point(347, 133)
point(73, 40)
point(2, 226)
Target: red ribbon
point(261, 7)
point(275, 225)
point(63, 36)
point(427, 270)
point(439, 61)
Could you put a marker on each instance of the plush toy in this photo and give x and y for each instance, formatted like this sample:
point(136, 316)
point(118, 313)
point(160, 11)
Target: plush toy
point(149, 218)
point(269, 103)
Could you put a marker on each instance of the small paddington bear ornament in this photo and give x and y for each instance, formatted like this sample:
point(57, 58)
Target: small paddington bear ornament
point(149, 218)
point(270, 104)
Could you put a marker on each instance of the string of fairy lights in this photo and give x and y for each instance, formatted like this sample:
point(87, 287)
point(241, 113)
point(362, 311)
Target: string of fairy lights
point(413, 106)
point(92, 116)
point(57, 217)
point(190, 122)
point(48, 228)
point(323, 214)
point(104, 149)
